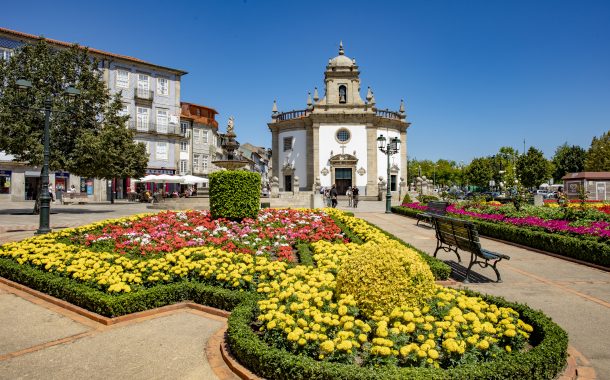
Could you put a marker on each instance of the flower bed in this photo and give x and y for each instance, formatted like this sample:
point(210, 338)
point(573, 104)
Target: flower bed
point(300, 312)
point(585, 240)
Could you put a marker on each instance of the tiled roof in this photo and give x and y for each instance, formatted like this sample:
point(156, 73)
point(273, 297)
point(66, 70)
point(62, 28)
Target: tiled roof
point(587, 175)
point(189, 111)
point(28, 36)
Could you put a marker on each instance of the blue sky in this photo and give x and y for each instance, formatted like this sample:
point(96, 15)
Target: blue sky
point(475, 75)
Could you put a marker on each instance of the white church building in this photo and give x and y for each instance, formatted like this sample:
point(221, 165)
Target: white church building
point(334, 140)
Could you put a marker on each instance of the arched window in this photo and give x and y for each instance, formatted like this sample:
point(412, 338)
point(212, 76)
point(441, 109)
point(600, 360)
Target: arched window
point(342, 94)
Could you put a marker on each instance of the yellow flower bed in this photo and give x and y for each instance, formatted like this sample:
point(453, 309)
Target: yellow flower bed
point(300, 308)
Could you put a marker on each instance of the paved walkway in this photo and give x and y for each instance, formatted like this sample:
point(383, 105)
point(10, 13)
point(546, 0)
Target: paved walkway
point(45, 341)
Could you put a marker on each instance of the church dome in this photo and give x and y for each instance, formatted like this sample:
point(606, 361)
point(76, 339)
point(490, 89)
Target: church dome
point(341, 60)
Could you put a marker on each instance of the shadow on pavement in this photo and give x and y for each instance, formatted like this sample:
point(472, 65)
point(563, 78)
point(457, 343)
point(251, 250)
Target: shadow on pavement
point(458, 273)
point(28, 211)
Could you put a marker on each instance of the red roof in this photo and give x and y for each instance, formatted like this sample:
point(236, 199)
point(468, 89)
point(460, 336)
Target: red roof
point(587, 175)
point(199, 114)
point(28, 36)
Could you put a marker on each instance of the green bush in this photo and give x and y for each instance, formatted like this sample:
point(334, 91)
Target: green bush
point(544, 361)
point(427, 198)
point(582, 248)
point(406, 199)
point(234, 194)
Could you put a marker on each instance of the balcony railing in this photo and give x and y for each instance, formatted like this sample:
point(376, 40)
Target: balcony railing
point(292, 115)
point(143, 94)
point(388, 114)
point(157, 129)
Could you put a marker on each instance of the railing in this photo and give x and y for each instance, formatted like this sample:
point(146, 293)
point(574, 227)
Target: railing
point(292, 115)
point(388, 114)
point(143, 94)
point(153, 128)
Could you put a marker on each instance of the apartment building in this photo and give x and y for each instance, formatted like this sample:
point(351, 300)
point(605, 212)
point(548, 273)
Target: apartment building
point(151, 97)
point(201, 148)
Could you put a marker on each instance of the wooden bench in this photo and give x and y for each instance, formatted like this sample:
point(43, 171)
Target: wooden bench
point(434, 209)
point(453, 234)
point(74, 198)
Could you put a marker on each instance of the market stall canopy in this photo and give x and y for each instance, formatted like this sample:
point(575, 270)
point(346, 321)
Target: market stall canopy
point(161, 178)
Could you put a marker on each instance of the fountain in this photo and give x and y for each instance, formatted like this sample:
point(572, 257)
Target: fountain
point(230, 146)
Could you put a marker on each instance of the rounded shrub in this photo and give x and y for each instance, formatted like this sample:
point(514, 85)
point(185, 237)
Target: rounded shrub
point(235, 194)
point(385, 277)
point(407, 199)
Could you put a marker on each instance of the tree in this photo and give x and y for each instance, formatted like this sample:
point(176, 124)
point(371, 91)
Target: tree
point(87, 137)
point(480, 171)
point(533, 168)
point(598, 155)
point(568, 159)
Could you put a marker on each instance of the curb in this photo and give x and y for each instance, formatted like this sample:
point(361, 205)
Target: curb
point(218, 354)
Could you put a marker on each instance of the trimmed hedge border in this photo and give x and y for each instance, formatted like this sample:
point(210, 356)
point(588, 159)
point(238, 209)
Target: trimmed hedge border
point(116, 305)
point(582, 248)
point(544, 361)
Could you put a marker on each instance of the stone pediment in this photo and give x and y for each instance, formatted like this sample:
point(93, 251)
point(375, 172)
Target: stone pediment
point(343, 159)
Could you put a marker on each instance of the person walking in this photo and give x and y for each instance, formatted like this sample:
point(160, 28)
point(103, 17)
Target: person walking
point(355, 193)
point(348, 193)
point(333, 196)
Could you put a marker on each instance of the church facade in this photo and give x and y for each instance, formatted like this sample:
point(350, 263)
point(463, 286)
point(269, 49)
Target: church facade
point(334, 140)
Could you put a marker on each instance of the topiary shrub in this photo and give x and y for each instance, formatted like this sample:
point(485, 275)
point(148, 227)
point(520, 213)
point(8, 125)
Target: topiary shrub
point(385, 277)
point(234, 194)
point(427, 198)
point(406, 199)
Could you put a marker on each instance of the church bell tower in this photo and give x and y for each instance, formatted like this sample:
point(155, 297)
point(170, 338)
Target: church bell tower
point(342, 80)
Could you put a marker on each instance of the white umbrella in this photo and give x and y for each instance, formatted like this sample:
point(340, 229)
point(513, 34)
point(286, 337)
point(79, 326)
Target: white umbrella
point(192, 179)
point(161, 178)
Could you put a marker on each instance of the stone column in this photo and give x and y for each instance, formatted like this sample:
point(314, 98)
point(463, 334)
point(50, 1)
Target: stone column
point(313, 165)
point(275, 187)
point(275, 158)
point(371, 154)
point(295, 185)
point(403, 155)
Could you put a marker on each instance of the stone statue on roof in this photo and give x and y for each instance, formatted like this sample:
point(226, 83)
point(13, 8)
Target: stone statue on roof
point(230, 124)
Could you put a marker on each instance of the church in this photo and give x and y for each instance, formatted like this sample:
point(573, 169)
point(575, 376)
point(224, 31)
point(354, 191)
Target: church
point(335, 139)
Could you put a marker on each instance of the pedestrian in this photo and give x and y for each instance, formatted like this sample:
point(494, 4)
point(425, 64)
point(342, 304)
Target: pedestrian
point(348, 193)
point(333, 196)
point(327, 197)
point(51, 193)
point(355, 193)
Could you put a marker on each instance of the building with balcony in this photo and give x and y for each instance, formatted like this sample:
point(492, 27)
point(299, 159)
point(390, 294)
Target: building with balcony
point(259, 158)
point(201, 147)
point(151, 97)
point(335, 138)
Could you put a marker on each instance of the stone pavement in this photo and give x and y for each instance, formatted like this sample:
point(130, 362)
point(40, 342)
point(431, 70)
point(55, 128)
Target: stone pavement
point(38, 340)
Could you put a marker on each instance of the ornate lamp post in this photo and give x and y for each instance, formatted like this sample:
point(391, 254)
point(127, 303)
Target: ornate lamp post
point(392, 147)
point(45, 198)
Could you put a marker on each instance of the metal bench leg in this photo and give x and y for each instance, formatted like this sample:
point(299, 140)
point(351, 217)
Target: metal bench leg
point(472, 262)
point(496, 270)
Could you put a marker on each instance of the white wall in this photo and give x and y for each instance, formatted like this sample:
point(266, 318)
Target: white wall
point(382, 160)
point(328, 142)
point(297, 157)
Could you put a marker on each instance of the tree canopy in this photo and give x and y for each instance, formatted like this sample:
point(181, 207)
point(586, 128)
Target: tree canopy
point(87, 137)
point(598, 155)
point(480, 171)
point(568, 159)
point(533, 168)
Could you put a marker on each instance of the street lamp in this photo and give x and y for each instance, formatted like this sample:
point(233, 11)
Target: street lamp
point(45, 198)
point(392, 147)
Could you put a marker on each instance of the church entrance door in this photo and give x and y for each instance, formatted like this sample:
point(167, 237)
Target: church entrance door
point(343, 179)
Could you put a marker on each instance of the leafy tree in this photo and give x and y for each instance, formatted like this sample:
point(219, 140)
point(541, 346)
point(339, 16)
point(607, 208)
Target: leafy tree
point(568, 159)
point(533, 168)
point(598, 155)
point(87, 137)
point(480, 171)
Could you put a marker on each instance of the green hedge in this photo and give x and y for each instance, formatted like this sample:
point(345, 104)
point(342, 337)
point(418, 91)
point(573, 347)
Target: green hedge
point(544, 361)
point(115, 305)
point(235, 194)
point(582, 248)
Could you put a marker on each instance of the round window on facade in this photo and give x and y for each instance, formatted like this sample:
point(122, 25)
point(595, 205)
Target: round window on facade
point(343, 135)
